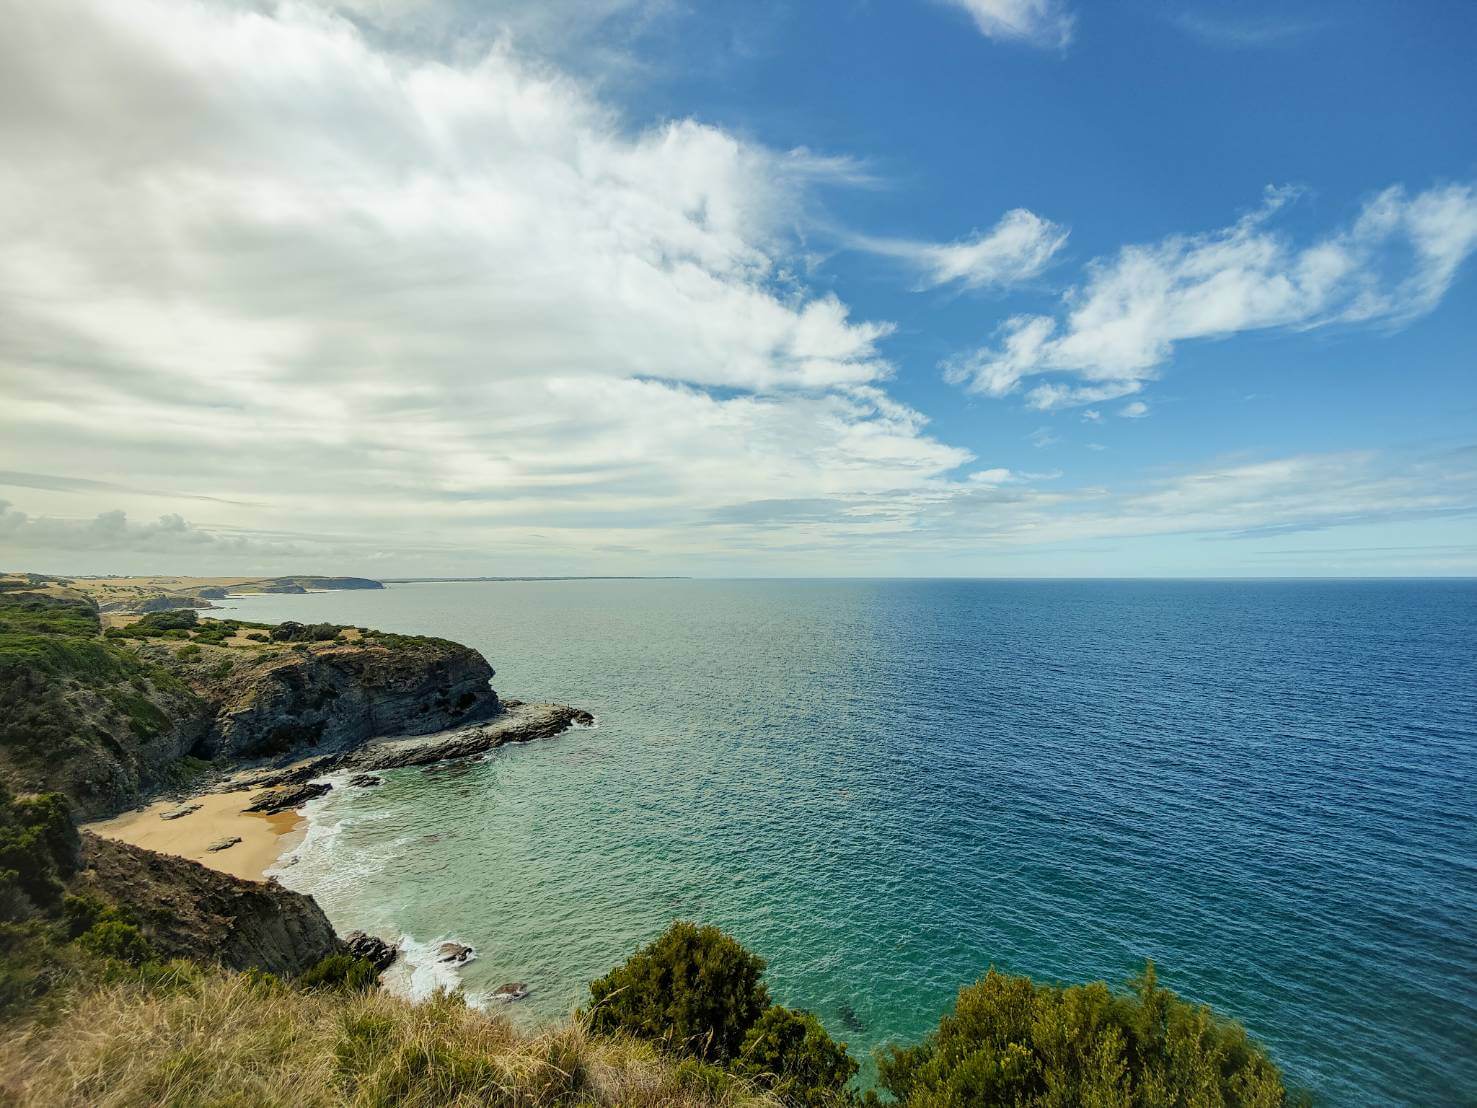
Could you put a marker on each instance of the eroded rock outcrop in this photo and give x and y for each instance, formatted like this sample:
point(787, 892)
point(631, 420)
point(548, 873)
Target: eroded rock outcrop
point(518, 722)
point(376, 951)
point(189, 911)
point(338, 697)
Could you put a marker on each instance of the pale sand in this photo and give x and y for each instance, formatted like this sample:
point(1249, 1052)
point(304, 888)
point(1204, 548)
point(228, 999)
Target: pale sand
point(264, 838)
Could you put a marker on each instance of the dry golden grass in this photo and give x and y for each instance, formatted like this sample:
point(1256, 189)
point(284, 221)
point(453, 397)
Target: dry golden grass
point(219, 1039)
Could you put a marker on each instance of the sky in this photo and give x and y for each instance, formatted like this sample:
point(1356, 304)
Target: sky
point(1024, 288)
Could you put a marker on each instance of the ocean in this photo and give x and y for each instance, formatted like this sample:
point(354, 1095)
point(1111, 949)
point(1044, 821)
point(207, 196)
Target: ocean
point(885, 787)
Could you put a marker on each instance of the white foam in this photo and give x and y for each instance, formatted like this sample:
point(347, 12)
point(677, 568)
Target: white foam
point(418, 972)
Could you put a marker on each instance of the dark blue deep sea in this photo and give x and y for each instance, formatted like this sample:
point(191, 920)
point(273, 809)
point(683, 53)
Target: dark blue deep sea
point(1270, 788)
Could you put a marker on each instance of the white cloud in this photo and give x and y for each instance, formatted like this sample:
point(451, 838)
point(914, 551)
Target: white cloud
point(1016, 249)
point(1135, 410)
point(1092, 415)
point(1238, 499)
point(111, 533)
point(1045, 23)
point(256, 255)
point(1393, 264)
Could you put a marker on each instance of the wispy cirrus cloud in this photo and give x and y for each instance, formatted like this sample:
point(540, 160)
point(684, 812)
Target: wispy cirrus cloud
point(1242, 31)
point(1045, 23)
point(1393, 263)
point(1019, 247)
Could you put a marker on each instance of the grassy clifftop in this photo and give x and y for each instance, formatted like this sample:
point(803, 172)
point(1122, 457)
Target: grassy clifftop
point(82, 714)
point(106, 709)
point(206, 1037)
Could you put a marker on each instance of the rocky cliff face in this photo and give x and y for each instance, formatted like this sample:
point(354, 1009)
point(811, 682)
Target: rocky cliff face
point(337, 697)
point(189, 911)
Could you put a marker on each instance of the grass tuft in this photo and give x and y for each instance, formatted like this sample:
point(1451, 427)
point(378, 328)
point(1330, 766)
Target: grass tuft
point(233, 1038)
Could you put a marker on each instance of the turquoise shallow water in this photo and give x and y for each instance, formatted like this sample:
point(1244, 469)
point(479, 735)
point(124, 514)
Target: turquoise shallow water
point(885, 786)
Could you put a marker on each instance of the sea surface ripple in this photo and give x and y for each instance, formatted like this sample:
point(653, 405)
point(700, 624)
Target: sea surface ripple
point(885, 787)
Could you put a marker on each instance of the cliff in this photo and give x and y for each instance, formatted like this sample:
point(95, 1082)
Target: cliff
point(337, 697)
point(108, 718)
point(84, 716)
point(188, 911)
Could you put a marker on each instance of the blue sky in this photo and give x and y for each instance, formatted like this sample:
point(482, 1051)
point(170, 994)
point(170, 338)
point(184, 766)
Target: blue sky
point(963, 287)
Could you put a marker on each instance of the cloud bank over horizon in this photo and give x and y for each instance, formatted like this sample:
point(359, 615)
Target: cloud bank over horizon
point(281, 291)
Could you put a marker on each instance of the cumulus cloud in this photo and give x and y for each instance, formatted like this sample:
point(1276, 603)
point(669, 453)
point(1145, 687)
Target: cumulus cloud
point(254, 253)
point(1116, 330)
point(1046, 23)
point(1016, 249)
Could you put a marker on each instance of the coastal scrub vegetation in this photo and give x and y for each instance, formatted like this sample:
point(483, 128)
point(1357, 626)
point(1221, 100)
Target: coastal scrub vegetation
point(697, 993)
point(129, 1030)
point(1010, 1040)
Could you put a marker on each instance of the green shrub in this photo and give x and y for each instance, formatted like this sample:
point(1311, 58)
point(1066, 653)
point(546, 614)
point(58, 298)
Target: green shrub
point(790, 1053)
point(175, 619)
point(341, 971)
point(79, 913)
point(113, 938)
point(39, 848)
point(189, 652)
point(1012, 1041)
point(694, 990)
point(290, 631)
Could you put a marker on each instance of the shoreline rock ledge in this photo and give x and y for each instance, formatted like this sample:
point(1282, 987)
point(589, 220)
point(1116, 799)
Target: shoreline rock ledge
point(518, 722)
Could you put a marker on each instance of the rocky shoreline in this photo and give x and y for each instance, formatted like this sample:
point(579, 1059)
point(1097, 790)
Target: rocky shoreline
point(254, 921)
point(519, 722)
point(193, 745)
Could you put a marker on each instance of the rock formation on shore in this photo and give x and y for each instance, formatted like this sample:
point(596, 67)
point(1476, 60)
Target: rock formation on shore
point(334, 698)
point(187, 910)
point(108, 719)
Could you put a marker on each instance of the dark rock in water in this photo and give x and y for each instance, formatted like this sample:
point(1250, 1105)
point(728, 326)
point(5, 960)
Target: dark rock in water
point(516, 722)
point(224, 844)
point(187, 910)
point(375, 950)
point(365, 781)
point(180, 812)
point(455, 953)
point(520, 724)
point(850, 1020)
point(513, 990)
point(287, 798)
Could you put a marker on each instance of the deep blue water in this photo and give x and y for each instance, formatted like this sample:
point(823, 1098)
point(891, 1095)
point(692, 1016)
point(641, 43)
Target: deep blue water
point(1270, 788)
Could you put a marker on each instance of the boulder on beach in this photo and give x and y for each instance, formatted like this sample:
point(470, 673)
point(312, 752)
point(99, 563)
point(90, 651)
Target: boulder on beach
point(177, 813)
point(287, 798)
point(224, 844)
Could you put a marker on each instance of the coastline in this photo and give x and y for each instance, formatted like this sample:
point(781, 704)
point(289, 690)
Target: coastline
point(265, 838)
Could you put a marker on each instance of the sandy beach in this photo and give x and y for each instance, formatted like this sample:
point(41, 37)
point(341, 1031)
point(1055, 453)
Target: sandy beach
point(264, 838)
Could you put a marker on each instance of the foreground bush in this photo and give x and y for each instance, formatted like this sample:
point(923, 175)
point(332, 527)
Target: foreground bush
point(697, 992)
point(790, 1053)
point(1010, 1041)
point(694, 990)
